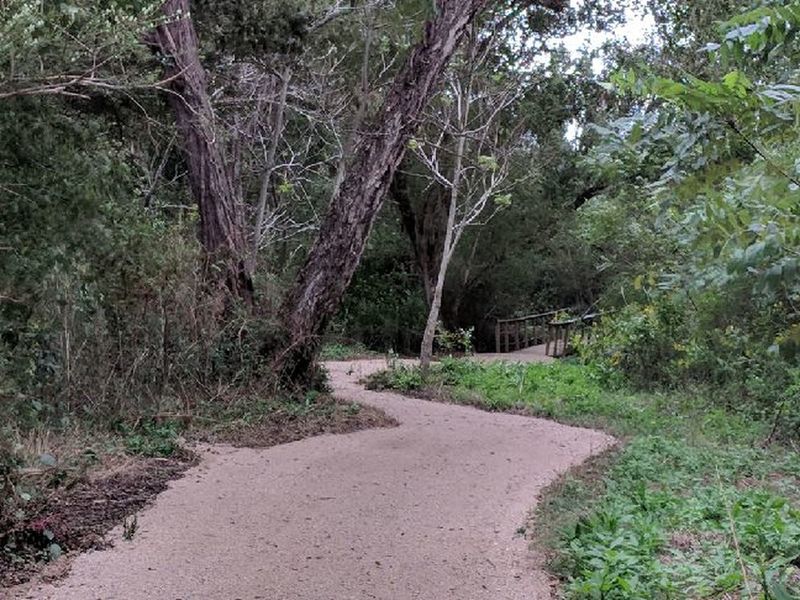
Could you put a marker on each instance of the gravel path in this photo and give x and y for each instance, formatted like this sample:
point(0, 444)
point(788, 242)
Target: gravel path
point(427, 510)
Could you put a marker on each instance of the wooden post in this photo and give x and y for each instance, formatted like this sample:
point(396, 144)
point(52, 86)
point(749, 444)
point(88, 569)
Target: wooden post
point(507, 332)
point(547, 340)
point(497, 337)
point(525, 333)
point(567, 329)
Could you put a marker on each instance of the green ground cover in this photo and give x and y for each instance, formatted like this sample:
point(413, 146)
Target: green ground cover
point(692, 503)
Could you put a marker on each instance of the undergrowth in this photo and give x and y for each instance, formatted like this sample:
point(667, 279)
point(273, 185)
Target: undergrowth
point(691, 504)
point(40, 464)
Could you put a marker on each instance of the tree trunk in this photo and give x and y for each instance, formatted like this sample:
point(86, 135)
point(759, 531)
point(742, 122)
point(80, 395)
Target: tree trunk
point(222, 232)
point(425, 225)
point(426, 353)
point(337, 250)
point(450, 240)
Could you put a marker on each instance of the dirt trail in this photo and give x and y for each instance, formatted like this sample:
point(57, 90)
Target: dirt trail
point(427, 510)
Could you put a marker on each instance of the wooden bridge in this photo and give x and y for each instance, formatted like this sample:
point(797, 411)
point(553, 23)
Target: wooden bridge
point(549, 333)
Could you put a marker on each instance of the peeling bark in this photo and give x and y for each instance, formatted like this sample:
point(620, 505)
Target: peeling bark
point(222, 227)
point(337, 250)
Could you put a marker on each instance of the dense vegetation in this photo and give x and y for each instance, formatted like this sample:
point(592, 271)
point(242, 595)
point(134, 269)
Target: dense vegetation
point(193, 198)
point(692, 504)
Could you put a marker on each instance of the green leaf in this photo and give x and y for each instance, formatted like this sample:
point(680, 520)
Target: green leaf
point(503, 200)
point(489, 163)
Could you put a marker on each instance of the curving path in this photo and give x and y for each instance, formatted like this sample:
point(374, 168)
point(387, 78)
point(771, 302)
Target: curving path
point(427, 510)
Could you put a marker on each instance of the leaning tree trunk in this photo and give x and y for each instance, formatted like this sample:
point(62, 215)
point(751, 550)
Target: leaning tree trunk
point(222, 232)
point(336, 252)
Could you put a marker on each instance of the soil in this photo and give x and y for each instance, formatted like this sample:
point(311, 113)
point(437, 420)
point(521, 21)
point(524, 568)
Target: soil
point(79, 517)
point(329, 416)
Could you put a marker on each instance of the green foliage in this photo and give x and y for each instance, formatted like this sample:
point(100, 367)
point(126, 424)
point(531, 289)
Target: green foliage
point(9, 464)
point(344, 351)
point(691, 506)
point(253, 29)
point(398, 377)
point(698, 226)
point(384, 307)
point(689, 521)
point(82, 43)
point(458, 340)
point(151, 439)
point(637, 343)
point(760, 31)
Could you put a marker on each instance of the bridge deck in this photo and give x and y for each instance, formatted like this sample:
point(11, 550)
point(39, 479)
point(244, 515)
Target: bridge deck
point(534, 354)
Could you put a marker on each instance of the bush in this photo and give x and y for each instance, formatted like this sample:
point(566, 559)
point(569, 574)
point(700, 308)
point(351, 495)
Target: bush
point(8, 480)
point(454, 341)
point(740, 360)
point(639, 343)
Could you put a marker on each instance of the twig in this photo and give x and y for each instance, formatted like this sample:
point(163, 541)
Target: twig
point(732, 124)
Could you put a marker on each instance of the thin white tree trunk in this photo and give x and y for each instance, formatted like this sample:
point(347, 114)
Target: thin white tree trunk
point(426, 353)
point(450, 240)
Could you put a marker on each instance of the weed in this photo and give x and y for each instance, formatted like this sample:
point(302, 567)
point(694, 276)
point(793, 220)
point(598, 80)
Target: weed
point(129, 527)
point(151, 439)
point(345, 351)
point(692, 506)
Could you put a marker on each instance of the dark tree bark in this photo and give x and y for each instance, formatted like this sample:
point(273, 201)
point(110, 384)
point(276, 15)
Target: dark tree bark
point(425, 225)
point(585, 195)
point(222, 227)
point(337, 250)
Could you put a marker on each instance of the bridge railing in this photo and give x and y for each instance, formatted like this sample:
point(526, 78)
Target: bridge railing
point(561, 332)
point(543, 329)
point(522, 332)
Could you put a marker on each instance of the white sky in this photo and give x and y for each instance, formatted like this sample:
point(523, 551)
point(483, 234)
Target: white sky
point(636, 31)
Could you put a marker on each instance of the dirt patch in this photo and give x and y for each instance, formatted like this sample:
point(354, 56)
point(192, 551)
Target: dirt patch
point(78, 517)
point(283, 426)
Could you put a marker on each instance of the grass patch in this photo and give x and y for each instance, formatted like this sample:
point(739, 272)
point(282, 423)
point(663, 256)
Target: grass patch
point(690, 506)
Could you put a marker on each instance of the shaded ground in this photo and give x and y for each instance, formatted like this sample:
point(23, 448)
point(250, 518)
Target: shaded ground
point(78, 516)
point(426, 510)
point(329, 415)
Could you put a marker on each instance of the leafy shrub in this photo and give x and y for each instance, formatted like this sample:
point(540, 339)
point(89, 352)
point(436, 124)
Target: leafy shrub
point(457, 340)
point(8, 480)
point(344, 351)
point(661, 532)
point(398, 377)
point(638, 342)
point(151, 439)
point(740, 358)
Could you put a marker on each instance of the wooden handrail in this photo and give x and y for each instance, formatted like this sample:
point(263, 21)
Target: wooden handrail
point(518, 333)
point(529, 317)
